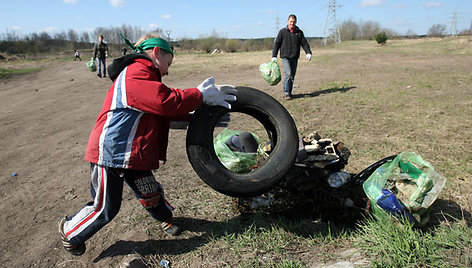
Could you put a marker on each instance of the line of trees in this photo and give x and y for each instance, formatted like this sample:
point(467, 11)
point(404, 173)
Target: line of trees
point(66, 41)
point(367, 30)
point(43, 42)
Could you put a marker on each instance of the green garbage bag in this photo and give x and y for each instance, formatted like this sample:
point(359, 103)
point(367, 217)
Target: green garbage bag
point(238, 162)
point(91, 65)
point(270, 72)
point(413, 180)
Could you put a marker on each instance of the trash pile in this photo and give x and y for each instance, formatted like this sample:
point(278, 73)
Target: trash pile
point(318, 186)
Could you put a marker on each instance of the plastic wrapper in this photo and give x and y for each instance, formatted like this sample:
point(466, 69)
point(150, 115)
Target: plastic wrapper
point(270, 72)
point(238, 162)
point(91, 65)
point(414, 182)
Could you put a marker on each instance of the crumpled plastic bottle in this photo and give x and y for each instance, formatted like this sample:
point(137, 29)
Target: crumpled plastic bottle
point(338, 179)
point(389, 202)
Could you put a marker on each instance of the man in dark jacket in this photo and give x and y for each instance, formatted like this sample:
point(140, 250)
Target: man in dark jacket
point(100, 52)
point(289, 40)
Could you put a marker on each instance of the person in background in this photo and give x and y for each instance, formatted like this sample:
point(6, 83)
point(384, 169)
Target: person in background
point(77, 55)
point(130, 137)
point(289, 40)
point(100, 52)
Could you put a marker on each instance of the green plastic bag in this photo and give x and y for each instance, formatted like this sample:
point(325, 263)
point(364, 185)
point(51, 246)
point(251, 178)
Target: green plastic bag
point(91, 65)
point(270, 72)
point(413, 180)
point(238, 162)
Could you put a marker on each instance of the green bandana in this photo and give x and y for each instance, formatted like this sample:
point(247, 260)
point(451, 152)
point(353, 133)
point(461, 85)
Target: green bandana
point(150, 43)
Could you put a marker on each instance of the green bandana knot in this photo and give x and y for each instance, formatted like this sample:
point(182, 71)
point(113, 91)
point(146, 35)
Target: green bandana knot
point(149, 44)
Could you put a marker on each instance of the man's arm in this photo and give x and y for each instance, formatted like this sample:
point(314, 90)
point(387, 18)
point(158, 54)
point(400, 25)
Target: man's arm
point(277, 43)
point(95, 50)
point(305, 44)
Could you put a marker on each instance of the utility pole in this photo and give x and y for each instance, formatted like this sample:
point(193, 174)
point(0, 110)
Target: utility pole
point(277, 24)
point(168, 35)
point(454, 24)
point(332, 28)
point(470, 32)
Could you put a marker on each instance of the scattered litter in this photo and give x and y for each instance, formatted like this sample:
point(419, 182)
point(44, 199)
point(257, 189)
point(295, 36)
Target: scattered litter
point(70, 195)
point(14, 174)
point(165, 263)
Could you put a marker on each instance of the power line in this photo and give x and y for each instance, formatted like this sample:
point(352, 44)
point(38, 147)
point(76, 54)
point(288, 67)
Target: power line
point(332, 28)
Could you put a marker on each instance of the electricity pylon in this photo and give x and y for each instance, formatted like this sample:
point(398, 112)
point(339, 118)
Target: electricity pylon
point(454, 24)
point(332, 28)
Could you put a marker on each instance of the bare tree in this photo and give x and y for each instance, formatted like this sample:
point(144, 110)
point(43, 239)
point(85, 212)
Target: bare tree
point(369, 29)
point(85, 37)
point(44, 36)
point(437, 30)
point(11, 36)
point(410, 34)
point(72, 35)
point(349, 30)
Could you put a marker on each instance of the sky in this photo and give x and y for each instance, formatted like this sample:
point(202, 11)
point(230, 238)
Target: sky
point(228, 19)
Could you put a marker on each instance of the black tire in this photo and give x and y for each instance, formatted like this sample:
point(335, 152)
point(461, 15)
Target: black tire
point(281, 131)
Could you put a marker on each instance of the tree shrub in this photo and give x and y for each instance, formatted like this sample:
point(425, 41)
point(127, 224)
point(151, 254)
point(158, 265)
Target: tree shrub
point(381, 38)
point(232, 45)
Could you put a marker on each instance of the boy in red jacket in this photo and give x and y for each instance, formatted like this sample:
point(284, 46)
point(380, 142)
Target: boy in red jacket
point(131, 135)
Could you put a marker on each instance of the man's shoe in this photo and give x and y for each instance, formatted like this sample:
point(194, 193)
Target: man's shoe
point(287, 97)
point(75, 250)
point(171, 228)
point(99, 75)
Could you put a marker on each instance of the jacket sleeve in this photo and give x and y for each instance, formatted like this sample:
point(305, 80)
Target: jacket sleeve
point(277, 43)
point(144, 93)
point(95, 50)
point(305, 44)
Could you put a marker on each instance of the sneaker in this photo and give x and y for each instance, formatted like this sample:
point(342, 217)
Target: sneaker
point(171, 228)
point(75, 250)
point(287, 97)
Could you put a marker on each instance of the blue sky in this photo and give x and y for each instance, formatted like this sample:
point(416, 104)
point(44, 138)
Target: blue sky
point(230, 19)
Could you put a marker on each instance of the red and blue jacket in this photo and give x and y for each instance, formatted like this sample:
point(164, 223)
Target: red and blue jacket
point(132, 128)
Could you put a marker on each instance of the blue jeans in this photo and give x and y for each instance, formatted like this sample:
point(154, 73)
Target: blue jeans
point(290, 69)
point(101, 62)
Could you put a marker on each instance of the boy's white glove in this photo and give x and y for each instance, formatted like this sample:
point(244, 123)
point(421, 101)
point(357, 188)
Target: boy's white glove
point(217, 94)
point(308, 57)
point(274, 58)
